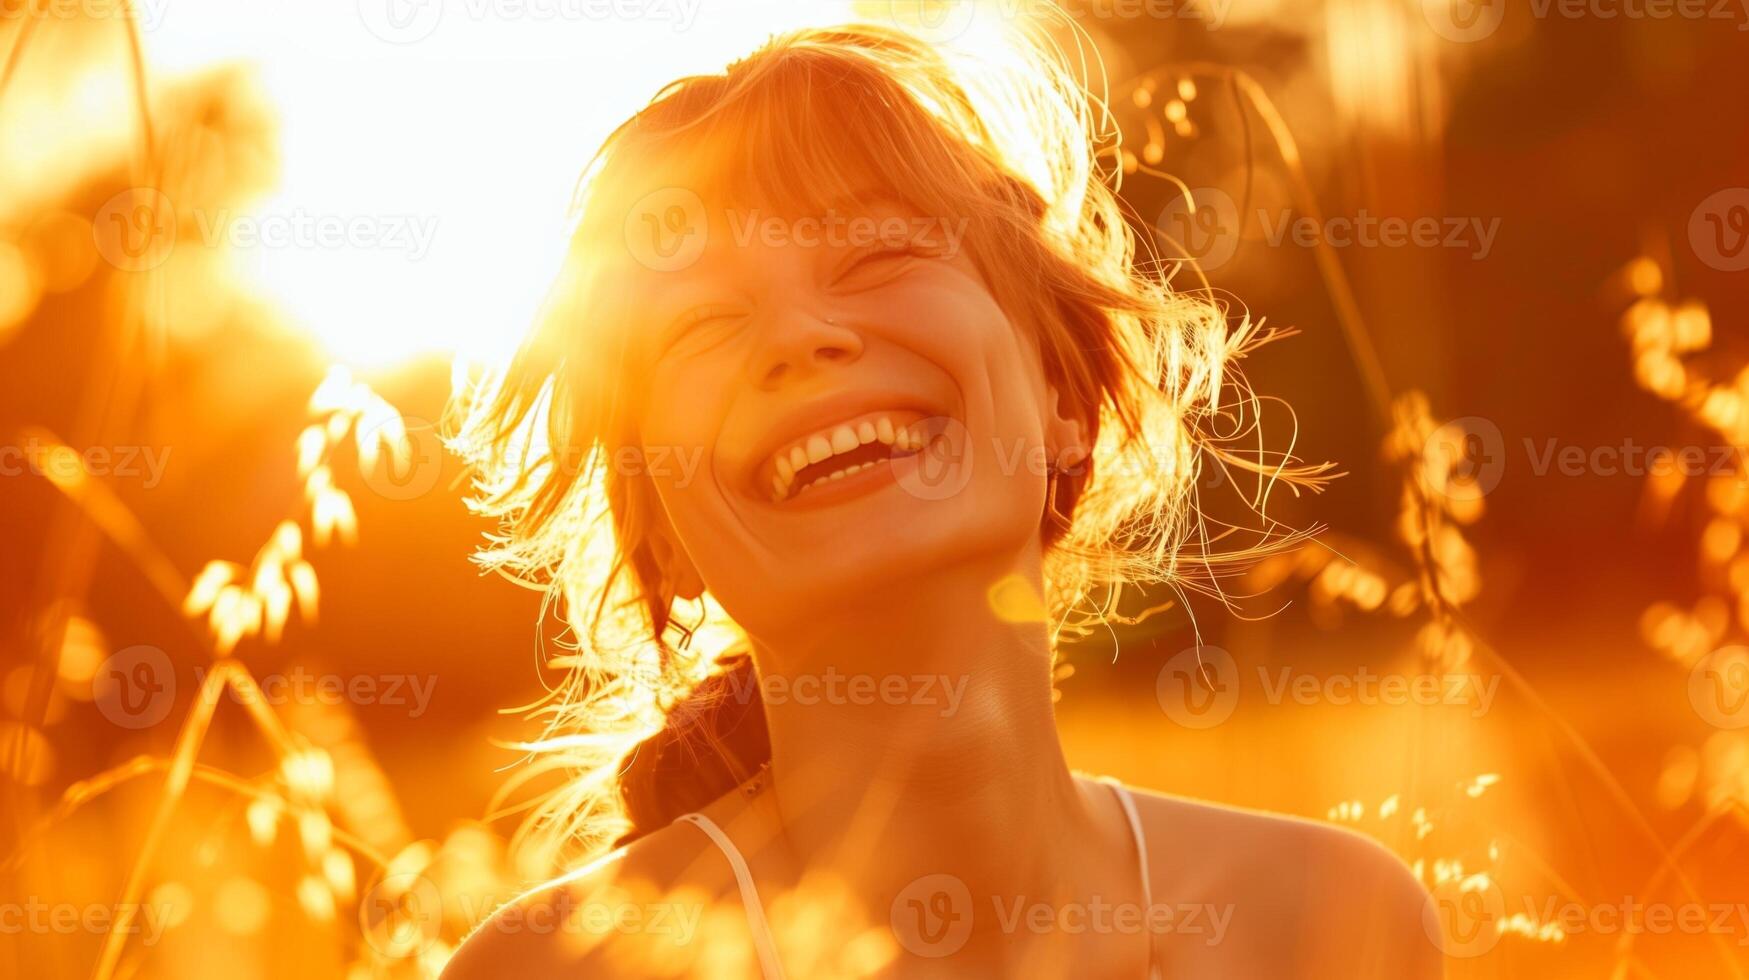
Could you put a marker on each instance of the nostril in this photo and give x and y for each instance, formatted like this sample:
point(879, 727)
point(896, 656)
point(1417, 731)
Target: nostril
point(831, 353)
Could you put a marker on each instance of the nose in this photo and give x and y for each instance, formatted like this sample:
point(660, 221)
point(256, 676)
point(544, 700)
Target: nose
point(797, 344)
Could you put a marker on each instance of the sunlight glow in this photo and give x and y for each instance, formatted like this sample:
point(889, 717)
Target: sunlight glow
point(428, 152)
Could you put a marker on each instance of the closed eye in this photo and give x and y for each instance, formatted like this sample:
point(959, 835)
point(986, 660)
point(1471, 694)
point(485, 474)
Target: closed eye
point(701, 327)
point(876, 266)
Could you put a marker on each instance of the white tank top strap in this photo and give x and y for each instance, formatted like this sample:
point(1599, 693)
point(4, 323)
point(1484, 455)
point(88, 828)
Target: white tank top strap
point(770, 967)
point(1135, 820)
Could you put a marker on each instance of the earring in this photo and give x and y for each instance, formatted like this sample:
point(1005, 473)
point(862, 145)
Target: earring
point(1054, 475)
point(757, 783)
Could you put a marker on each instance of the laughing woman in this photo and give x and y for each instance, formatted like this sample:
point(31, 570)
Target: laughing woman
point(852, 400)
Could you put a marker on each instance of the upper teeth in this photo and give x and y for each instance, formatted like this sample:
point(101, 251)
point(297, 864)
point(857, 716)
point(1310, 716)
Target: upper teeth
point(839, 439)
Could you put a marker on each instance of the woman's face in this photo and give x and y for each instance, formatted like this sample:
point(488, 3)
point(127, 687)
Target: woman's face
point(842, 406)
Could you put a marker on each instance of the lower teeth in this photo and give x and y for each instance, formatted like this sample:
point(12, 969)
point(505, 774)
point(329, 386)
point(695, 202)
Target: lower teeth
point(915, 444)
point(838, 475)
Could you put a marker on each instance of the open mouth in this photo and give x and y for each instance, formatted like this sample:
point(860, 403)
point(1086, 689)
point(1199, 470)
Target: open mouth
point(845, 450)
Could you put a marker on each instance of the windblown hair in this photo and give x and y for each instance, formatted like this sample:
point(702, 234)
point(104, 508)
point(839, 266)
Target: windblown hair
point(642, 727)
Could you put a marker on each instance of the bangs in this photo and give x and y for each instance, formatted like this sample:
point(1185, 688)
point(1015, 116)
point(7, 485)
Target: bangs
point(803, 134)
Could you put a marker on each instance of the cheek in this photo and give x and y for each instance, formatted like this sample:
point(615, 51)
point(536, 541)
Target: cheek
point(960, 326)
point(952, 321)
point(1001, 381)
point(677, 434)
point(683, 408)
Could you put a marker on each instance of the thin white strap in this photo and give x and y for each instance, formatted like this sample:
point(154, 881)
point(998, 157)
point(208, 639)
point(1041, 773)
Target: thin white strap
point(769, 965)
point(1129, 811)
point(1135, 819)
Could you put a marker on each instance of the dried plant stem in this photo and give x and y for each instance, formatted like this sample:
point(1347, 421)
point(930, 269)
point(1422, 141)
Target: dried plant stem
point(26, 26)
point(1625, 945)
point(71, 541)
point(1348, 316)
point(99, 504)
point(181, 767)
point(89, 789)
point(226, 674)
point(1617, 793)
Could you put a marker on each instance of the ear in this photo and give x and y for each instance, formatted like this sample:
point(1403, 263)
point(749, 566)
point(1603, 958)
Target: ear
point(678, 572)
point(1068, 436)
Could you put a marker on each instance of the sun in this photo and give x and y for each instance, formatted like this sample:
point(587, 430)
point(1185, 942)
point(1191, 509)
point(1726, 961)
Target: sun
point(428, 151)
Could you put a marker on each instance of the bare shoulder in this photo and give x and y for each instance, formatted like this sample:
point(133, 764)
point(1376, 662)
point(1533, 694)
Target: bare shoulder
point(634, 912)
point(1321, 900)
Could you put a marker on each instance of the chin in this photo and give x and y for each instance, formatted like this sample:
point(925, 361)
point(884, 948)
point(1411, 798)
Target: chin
point(930, 546)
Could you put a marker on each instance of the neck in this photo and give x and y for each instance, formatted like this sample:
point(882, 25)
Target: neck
point(913, 731)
